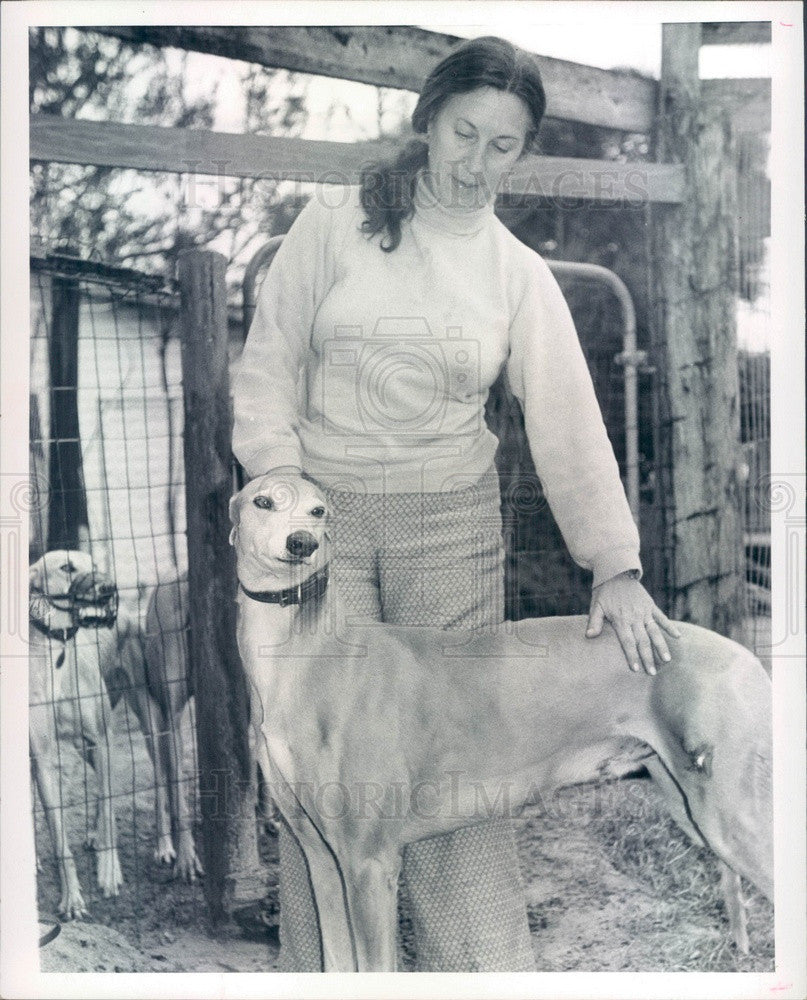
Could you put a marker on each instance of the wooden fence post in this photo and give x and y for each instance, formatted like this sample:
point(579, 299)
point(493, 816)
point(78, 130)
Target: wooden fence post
point(695, 270)
point(229, 844)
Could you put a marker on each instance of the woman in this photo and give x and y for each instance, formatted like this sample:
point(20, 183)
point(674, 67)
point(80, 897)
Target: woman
point(400, 301)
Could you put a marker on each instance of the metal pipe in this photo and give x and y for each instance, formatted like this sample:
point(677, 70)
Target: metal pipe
point(630, 357)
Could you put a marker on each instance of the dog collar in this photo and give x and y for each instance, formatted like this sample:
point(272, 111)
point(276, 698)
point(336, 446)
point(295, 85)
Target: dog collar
point(309, 590)
point(60, 634)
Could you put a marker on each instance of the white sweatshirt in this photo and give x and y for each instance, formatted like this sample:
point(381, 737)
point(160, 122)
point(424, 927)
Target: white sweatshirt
point(370, 370)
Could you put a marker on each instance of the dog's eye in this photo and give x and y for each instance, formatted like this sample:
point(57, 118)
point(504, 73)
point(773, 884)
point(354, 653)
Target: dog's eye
point(68, 568)
point(265, 503)
point(318, 512)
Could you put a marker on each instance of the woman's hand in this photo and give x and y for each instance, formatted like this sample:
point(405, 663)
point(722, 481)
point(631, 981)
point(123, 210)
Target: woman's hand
point(636, 619)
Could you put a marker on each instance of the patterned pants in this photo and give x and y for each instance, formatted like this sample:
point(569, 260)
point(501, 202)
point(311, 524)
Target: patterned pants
point(425, 559)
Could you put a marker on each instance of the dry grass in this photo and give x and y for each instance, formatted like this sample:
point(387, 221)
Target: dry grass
point(639, 839)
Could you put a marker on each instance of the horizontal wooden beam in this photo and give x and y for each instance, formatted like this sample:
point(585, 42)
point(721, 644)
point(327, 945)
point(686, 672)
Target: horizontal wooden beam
point(736, 33)
point(401, 56)
point(747, 101)
point(193, 151)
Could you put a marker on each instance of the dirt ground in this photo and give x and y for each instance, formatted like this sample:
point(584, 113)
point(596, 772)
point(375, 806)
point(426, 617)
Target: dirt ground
point(611, 885)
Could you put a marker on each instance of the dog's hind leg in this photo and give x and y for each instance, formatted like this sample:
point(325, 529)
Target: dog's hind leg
point(110, 877)
point(174, 695)
point(87, 750)
point(735, 907)
point(719, 754)
point(187, 865)
point(153, 726)
point(729, 880)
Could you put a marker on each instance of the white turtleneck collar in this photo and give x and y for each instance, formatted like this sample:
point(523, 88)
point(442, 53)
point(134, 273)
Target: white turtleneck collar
point(454, 221)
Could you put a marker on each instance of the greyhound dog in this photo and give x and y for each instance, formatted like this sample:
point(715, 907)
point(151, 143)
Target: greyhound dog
point(72, 611)
point(374, 736)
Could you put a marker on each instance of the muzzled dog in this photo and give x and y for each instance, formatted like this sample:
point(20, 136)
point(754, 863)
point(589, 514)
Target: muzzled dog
point(374, 736)
point(72, 611)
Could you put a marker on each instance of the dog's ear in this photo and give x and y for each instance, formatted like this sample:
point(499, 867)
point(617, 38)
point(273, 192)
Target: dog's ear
point(35, 576)
point(235, 517)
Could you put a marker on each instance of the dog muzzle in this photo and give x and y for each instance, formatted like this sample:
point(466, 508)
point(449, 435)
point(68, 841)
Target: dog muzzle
point(93, 601)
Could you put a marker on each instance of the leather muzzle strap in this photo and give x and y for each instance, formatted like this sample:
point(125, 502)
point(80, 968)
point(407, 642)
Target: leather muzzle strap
point(309, 590)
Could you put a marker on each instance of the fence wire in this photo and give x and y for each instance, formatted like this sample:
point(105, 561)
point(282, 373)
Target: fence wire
point(754, 329)
point(106, 453)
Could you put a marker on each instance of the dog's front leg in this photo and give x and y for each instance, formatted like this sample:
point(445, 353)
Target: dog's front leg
point(330, 898)
point(43, 697)
point(324, 865)
point(372, 902)
point(46, 775)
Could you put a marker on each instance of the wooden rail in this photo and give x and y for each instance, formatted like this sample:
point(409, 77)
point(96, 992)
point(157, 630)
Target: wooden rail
point(191, 151)
point(401, 56)
point(736, 33)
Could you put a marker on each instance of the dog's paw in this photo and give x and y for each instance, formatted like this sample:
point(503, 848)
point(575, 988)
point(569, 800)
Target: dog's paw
point(110, 876)
point(187, 865)
point(72, 905)
point(164, 853)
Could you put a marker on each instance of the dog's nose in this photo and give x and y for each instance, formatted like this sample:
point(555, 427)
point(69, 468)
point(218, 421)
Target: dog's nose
point(105, 589)
point(301, 543)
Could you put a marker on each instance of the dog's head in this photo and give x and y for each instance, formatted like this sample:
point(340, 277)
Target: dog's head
point(279, 531)
point(67, 581)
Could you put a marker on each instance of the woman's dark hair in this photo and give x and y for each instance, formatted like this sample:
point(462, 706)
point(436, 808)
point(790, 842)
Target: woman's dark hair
point(388, 188)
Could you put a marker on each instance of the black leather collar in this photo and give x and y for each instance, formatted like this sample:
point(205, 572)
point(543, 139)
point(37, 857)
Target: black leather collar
point(60, 634)
point(310, 589)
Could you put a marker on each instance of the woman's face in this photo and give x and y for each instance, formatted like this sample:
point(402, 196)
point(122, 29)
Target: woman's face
point(474, 140)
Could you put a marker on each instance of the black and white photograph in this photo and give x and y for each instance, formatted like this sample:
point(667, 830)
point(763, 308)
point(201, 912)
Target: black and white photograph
point(403, 472)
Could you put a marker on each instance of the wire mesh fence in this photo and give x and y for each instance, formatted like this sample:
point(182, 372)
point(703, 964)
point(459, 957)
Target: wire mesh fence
point(754, 320)
point(106, 444)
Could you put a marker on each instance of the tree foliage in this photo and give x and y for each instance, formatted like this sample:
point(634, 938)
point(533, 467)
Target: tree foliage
point(139, 219)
